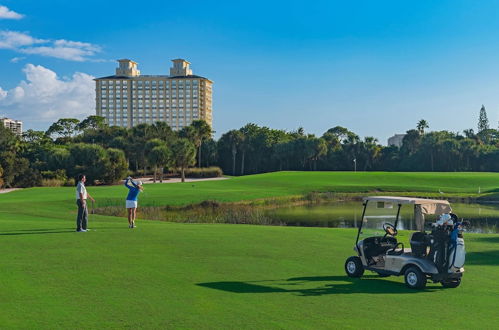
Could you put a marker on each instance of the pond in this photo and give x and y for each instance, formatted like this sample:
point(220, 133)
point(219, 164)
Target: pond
point(484, 218)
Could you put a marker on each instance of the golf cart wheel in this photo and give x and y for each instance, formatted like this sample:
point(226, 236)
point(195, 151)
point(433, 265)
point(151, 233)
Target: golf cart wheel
point(414, 278)
point(354, 267)
point(451, 283)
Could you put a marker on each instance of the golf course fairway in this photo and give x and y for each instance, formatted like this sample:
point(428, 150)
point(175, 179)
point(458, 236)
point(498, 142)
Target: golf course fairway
point(212, 276)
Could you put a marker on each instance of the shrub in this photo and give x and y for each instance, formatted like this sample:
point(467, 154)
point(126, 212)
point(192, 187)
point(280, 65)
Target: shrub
point(53, 182)
point(56, 178)
point(204, 172)
point(57, 174)
point(116, 168)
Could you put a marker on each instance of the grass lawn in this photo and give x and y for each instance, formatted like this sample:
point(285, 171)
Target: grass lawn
point(168, 275)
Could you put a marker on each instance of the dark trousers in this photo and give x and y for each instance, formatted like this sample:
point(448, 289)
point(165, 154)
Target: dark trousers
point(82, 218)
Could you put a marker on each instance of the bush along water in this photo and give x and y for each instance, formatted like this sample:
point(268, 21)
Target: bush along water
point(250, 212)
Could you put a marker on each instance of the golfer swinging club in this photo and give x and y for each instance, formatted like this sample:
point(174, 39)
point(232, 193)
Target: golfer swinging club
point(131, 200)
point(81, 201)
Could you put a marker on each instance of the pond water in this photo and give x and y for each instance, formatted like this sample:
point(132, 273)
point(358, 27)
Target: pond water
point(484, 218)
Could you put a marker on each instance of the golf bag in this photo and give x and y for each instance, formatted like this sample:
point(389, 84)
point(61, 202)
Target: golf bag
point(447, 249)
point(439, 247)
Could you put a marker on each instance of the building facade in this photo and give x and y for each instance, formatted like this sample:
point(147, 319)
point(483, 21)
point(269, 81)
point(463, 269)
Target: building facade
point(16, 126)
point(129, 98)
point(396, 140)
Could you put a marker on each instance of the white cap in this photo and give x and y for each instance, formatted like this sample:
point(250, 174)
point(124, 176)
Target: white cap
point(139, 183)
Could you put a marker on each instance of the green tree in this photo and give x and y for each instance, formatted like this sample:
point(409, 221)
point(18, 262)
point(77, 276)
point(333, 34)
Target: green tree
point(159, 156)
point(64, 127)
point(90, 159)
point(138, 137)
point(162, 131)
point(202, 132)
point(92, 122)
point(58, 157)
point(422, 124)
point(116, 167)
point(183, 155)
point(371, 150)
point(154, 159)
point(319, 149)
point(9, 147)
point(483, 121)
point(235, 138)
point(209, 148)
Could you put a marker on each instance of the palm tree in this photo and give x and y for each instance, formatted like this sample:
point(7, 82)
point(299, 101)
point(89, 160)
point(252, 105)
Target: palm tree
point(319, 148)
point(235, 138)
point(159, 157)
point(184, 155)
point(162, 131)
point(201, 131)
point(153, 158)
point(372, 150)
point(422, 124)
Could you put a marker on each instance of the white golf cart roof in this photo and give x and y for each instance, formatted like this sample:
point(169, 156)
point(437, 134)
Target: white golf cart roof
point(429, 206)
point(422, 206)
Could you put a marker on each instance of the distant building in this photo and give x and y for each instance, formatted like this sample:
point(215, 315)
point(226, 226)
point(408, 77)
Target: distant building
point(129, 98)
point(16, 126)
point(396, 140)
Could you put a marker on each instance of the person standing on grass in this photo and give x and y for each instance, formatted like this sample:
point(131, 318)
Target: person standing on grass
point(81, 201)
point(131, 200)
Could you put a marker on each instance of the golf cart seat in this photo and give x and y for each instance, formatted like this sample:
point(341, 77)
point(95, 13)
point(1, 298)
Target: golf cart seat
point(397, 250)
point(419, 244)
point(377, 245)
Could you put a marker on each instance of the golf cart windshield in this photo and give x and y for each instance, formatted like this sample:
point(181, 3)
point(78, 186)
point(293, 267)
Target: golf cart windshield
point(379, 210)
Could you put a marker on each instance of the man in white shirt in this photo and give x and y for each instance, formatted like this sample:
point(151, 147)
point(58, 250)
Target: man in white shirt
point(81, 201)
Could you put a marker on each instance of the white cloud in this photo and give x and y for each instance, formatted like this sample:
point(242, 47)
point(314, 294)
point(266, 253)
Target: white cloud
point(78, 53)
point(44, 97)
point(17, 59)
point(15, 40)
point(6, 13)
point(63, 49)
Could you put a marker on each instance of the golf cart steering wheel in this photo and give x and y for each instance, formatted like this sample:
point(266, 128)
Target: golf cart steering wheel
point(390, 229)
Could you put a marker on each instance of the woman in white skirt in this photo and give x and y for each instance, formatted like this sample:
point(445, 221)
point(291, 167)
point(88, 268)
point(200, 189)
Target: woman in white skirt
point(134, 187)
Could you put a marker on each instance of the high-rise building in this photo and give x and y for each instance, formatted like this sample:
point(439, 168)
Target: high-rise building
point(396, 140)
point(129, 98)
point(16, 126)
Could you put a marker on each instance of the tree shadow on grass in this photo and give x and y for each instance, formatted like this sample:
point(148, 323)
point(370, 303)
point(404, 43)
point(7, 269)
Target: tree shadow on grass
point(487, 258)
point(51, 231)
point(488, 239)
point(36, 232)
point(367, 284)
point(30, 230)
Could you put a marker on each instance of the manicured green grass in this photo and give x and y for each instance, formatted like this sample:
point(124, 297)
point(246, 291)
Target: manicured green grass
point(166, 275)
point(281, 184)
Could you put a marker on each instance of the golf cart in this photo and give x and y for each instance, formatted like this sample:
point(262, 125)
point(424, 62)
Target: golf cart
point(438, 256)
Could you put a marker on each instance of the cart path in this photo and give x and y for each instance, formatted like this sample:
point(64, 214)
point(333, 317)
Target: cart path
point(4, 191)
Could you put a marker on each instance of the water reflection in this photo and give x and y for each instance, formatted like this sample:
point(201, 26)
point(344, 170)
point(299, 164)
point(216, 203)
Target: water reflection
point(484, 218)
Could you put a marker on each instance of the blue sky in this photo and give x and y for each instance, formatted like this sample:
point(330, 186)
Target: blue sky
point(375, 67)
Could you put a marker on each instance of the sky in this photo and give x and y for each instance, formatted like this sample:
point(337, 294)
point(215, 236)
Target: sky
point(375, 67)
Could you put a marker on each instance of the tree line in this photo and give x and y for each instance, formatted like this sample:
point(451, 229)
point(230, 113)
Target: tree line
point(107, 153)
